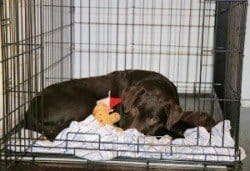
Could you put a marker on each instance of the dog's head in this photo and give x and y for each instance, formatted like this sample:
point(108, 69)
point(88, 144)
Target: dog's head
point(149, 109)
point(153, 112)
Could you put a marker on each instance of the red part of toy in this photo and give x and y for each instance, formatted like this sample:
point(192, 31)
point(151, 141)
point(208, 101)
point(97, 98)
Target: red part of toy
point(114, 102)
point(110, 101)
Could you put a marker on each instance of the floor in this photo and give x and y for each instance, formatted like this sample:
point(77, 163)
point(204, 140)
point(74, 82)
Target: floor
point(245, 136)
point(244, 141)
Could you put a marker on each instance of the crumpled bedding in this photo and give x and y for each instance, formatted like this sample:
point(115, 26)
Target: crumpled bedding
point(81, 139)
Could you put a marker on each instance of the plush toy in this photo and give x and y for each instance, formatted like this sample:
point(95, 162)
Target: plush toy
point(102, 111)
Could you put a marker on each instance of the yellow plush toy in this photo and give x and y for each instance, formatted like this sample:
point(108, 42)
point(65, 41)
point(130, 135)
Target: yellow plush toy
point(101, 113)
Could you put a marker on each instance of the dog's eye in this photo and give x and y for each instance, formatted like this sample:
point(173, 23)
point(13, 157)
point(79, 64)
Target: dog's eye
point(153, 120)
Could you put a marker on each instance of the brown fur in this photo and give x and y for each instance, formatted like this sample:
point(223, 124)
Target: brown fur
point(150, 103)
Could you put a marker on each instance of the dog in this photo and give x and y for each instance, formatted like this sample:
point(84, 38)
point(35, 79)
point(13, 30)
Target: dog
point(150, 103)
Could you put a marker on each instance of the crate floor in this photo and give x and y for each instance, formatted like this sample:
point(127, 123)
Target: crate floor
point(97, 167)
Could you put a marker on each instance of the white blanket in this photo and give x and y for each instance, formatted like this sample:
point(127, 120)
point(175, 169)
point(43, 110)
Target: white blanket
point(82, 140)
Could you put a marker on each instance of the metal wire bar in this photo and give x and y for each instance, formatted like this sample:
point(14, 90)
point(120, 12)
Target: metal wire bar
point(50, 41)
point(97, 144)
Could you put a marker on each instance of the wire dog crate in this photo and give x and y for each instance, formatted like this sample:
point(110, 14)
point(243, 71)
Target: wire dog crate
point(197, 44)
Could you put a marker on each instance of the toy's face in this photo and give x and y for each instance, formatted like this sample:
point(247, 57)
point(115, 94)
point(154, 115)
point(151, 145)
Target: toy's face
point(99, 116)
point(102, 114)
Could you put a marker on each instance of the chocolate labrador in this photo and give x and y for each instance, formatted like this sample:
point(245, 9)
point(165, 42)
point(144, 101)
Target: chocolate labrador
point(150, 104)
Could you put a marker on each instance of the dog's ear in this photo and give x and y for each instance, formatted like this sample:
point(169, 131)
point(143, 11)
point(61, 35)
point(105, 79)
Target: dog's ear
point(129, 96)
point(194, 119)
point(175, 114)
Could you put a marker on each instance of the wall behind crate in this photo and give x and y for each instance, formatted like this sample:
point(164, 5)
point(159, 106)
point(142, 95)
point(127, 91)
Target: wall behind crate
point(1, 86)
point(246, 65)
point(173, 49)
